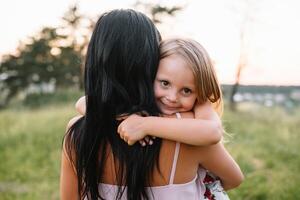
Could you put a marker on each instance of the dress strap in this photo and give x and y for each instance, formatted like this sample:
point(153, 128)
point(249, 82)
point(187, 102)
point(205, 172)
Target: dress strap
point(178, 115)
point(177, 148)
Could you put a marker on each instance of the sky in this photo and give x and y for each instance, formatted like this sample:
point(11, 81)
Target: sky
point(271, 45)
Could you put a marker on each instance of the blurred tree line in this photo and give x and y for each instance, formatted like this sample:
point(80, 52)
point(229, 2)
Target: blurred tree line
point(53, 58)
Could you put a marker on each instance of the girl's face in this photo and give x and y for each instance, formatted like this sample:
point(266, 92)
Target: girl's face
point(174, 85)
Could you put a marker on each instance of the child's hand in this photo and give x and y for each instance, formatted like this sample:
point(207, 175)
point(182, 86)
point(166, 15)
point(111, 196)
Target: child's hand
point(80, 105)
point(132, 130)
point(146, 141)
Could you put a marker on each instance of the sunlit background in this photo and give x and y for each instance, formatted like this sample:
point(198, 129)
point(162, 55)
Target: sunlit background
point(271, 31)
point(254, 45)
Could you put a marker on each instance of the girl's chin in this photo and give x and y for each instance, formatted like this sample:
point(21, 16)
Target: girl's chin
point(168, 112)
point(165, 109)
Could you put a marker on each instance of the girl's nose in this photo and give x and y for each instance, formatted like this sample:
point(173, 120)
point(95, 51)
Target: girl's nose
point(172, 97)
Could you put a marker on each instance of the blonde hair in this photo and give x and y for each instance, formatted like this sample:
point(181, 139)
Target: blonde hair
point(196, 57)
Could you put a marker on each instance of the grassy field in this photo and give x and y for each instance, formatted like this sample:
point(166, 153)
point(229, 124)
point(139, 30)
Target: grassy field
point(30, 144)
point(264, 141)
point(266, 145)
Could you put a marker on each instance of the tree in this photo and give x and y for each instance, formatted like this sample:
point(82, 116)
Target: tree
point(76, 34)
point(54, 56)
point(157, 11)
point(51, 57)
point(38, 62)
point(246, 16)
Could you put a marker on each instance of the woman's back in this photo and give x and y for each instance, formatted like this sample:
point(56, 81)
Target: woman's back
point(177, 178)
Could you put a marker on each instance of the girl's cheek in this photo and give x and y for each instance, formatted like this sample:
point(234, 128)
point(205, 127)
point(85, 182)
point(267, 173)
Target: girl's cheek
point(190, 103)
point(157, 90)
point(193, 103)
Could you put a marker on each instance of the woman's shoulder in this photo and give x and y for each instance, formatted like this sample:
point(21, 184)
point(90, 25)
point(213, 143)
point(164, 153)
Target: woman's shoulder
point(69, 130)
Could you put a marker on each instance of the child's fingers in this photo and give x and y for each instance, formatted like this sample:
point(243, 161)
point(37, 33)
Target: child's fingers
point(148, 140)
point(129, 142)
point(120, 129)
point(125, 139)
point(142, 143)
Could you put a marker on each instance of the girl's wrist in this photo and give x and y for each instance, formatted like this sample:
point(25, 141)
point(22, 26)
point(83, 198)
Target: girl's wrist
point(148, 124)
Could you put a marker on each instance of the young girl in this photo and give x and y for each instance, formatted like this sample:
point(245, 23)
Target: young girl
point(185, 81)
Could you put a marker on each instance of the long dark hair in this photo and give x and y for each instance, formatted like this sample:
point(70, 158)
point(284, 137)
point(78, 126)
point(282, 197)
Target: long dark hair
point(120, 67)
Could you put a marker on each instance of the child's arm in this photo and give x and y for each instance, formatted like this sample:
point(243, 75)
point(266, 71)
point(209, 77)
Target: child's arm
point(205, 130)
point(227, 170)
point(198, 131)
point(80, 105)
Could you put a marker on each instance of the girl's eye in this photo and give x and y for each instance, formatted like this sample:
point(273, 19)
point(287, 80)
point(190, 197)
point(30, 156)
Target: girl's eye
point(186, 91)
point(164, 83)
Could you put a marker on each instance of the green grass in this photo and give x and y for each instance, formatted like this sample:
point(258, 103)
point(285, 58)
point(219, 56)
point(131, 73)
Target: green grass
point(265, 142)
point(30, 146)
point(266, 145)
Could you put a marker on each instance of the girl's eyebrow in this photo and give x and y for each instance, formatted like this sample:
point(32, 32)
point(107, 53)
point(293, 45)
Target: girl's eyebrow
point(165, 79)
point(162, 77)
point(192, 87)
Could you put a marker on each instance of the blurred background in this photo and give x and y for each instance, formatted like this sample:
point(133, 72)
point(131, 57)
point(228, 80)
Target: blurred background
point(255, 47)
